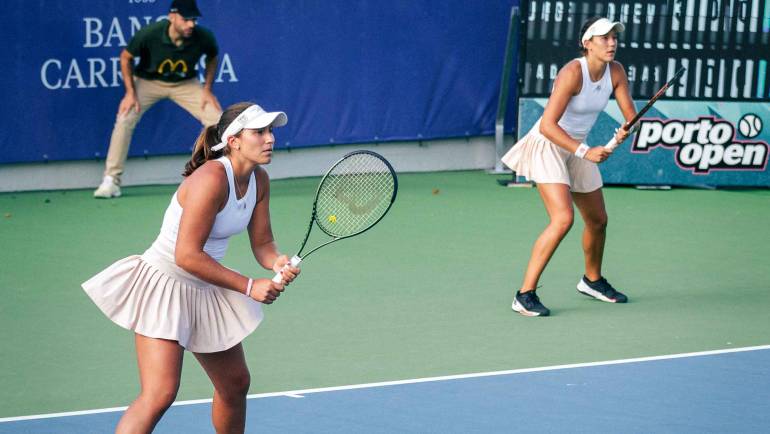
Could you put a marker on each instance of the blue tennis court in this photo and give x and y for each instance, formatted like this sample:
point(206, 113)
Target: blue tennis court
point(718, 391)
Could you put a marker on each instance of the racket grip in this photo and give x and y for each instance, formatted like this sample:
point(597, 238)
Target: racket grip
point(295, 260)
point(611, 145)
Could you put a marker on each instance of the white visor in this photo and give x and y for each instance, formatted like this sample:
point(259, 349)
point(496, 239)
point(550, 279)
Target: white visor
point(254, 117)
point(601, 27)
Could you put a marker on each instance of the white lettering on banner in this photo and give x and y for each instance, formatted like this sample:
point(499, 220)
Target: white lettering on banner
point(74, 76)
point(633, 12)
point(104, 72)
point(94, 37)
point(650, 13)
point(73, 73)
point(703, 145)
point(546, 12)
point(623, 17)
point(117, 75)
point(44, 74)
point(54, 77)
point(115, 32)
point(554, 71)
point(95, 70)
point(93, 28)
point(225, 67)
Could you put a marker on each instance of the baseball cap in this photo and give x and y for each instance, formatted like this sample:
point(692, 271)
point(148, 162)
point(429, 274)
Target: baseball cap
point(185, 8)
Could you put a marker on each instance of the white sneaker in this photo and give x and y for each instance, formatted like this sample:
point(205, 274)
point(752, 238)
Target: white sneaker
point(107, 189)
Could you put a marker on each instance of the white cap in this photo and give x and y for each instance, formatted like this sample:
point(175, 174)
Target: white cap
point(601, 27)
point(254, 117)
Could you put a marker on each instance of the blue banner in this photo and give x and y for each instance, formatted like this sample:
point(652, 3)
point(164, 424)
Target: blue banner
point(344, 72)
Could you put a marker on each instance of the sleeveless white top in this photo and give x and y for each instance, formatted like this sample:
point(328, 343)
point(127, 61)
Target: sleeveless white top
point(584, 108)
point(231, 220)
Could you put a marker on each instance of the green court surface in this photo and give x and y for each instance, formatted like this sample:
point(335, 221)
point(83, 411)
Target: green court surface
point(425, 293)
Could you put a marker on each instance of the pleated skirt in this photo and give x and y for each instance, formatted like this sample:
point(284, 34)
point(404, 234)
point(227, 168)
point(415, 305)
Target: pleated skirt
point(154, 297)
point(540, 160)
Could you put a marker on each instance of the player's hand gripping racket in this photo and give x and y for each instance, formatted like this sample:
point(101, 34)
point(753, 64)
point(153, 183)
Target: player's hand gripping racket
point(353, 196)
point(612, 144)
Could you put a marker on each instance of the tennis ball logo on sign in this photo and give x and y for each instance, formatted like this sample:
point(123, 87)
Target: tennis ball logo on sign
point(750, 125)
point(705, 144)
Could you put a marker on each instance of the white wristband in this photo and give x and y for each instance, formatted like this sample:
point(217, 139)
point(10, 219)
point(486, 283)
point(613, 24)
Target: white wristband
point(248, 288)
point(581, 150)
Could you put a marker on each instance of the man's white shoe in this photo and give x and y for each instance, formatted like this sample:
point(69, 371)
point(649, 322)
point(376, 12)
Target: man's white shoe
point(107, 189)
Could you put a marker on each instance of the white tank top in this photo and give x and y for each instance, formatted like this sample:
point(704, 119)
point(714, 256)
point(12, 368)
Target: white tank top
point(583, 108)
point(232, 220)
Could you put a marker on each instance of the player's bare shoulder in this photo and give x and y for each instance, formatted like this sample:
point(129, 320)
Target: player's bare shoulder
point(570, 77)
point(261, 174)
point(211, 170)
point(209, 180)
point(618, 73)
point(263, 182)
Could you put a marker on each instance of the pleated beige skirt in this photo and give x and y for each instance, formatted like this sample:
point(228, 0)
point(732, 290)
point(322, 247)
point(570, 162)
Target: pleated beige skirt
point(152, 296)
point(542, 161)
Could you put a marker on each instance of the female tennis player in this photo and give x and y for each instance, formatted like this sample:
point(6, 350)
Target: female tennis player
point(178, 296)
point(554, 155)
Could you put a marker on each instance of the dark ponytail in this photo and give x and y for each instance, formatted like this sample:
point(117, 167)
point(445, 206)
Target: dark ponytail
point(202, 150)
point(210, 136)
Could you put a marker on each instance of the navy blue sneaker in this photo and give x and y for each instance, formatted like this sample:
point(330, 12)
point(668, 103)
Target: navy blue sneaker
point(528, 304)
point(600, 290)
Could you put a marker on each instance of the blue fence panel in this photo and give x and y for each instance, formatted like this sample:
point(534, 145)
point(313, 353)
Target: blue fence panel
point(344, 71)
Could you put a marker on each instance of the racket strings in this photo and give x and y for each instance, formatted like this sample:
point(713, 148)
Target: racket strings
point(354, 195)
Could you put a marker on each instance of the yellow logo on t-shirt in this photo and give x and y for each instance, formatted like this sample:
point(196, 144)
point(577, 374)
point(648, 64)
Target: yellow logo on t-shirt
point(172, 66)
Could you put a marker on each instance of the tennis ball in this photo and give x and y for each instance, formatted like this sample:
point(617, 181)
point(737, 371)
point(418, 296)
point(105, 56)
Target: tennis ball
point(8, 215)
point(436, 191)
point(750, 125)
point(332, 218)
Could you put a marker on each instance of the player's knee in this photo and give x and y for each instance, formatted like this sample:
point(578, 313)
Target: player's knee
point(597, 222)
point(159, 398)
point(126, 122)
point(237, 386)
point(562, 222)
point(241, 383)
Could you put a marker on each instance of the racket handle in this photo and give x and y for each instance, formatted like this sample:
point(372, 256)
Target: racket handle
point(295, 260)
point(612, 144)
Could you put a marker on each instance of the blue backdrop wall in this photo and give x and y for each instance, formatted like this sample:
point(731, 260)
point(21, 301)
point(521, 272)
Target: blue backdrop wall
point(343, 71)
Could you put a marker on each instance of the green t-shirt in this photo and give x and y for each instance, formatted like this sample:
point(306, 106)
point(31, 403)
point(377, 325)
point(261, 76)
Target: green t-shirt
point(160, 59)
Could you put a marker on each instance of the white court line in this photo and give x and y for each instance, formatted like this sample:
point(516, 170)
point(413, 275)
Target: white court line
point(301, 393)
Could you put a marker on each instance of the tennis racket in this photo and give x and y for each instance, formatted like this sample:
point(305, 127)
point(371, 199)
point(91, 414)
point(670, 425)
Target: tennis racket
point(612, 144)
point(354, 195)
